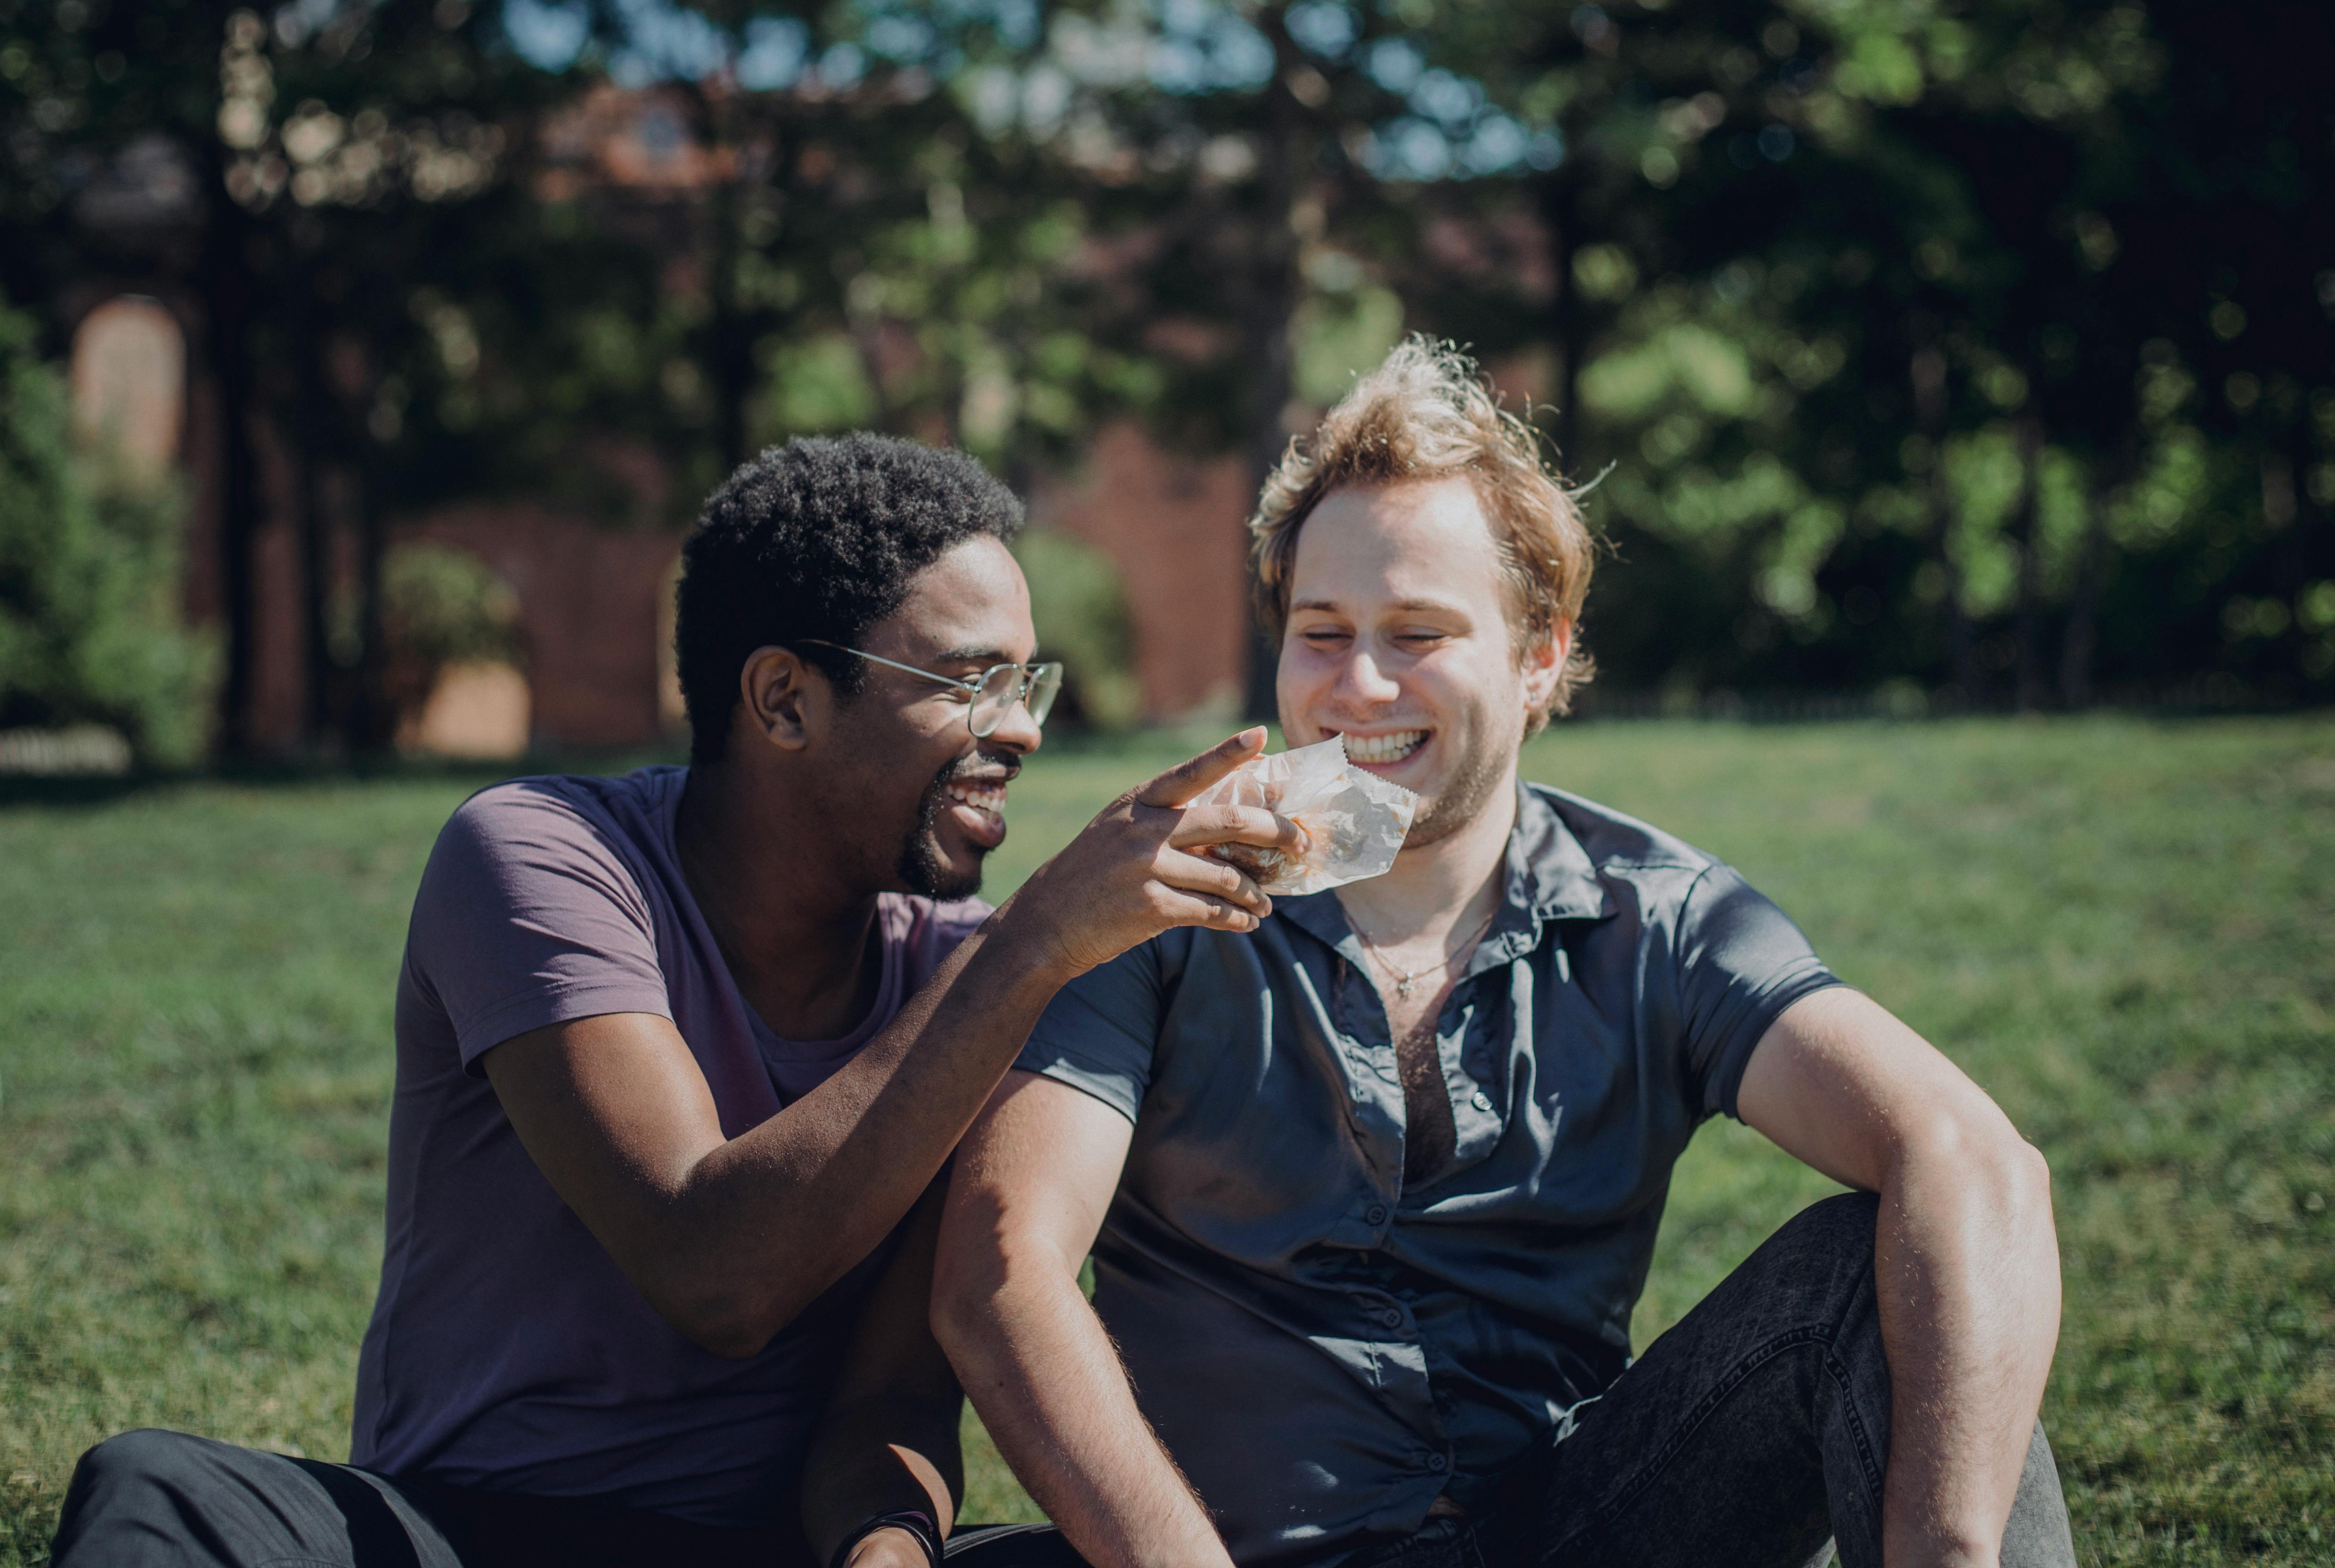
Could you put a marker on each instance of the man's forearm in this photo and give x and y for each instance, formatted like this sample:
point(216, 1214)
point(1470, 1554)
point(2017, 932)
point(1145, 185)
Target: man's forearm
point(1047, 1383)
point(1967, 1269)
point(877, 1456)
point(760, 1227)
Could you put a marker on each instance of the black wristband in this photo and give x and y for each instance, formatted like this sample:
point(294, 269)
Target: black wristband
point(915, 1521)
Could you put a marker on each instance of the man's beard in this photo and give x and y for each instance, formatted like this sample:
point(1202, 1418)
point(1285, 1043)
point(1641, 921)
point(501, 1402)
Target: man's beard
point(1457, 804)
point(922, 869)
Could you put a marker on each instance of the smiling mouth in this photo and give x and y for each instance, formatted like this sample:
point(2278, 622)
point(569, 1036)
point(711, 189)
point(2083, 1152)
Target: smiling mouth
point(985, 796)
point(1382, 750)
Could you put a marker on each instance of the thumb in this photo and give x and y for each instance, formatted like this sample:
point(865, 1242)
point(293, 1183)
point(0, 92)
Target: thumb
point(1188, 779)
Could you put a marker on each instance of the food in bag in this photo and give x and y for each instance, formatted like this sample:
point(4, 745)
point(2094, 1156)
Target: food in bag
point(1353, 821)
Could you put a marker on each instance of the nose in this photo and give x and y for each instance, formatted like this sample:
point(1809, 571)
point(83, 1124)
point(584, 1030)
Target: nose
point(1016, 732)
point(1361, 681)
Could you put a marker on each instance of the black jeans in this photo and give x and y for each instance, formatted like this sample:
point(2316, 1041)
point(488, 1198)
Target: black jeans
point(150, 1499)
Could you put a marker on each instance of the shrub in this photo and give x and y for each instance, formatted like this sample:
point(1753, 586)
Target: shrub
point(91, 627)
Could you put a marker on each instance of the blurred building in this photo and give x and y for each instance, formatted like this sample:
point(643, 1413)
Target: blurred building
point(593, 603)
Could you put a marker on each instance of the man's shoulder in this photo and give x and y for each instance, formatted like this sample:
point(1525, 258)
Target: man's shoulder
point(1616, 842)
point(565, 805)
point(607, 831)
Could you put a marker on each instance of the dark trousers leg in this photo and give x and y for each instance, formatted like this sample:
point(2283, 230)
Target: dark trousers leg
point(165, 1500)
point(1010, 1546)
point(1754, 1429)
point(147, 1499)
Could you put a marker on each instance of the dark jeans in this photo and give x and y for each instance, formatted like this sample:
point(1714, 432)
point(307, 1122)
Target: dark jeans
point(150, 1499)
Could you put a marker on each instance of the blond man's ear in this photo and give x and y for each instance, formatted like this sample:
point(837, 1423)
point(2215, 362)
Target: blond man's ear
point(1543, 663)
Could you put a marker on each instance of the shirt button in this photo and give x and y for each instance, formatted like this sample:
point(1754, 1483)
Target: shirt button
point(1378, 1215)
point(1392, 1318)
point(1437, 1462)
point(1482, 1101)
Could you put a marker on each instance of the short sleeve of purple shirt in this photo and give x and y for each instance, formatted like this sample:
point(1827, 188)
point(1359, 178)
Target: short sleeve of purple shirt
point(529, 916)
point(507, 1352)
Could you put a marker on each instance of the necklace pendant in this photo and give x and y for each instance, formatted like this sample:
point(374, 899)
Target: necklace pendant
point(1402, 987)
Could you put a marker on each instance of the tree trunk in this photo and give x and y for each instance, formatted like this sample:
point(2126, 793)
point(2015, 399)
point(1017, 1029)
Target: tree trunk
point(310, 424)
point(2079, 639)
point(230, 303)
point(1562, 209)
point(1927, 370)
point(2026, 529)
point(315, 591)
point(1271, 301)
point(372, 722)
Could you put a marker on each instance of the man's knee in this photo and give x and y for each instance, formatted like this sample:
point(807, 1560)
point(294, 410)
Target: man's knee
point(130, 1487)
point(143, 1459)
point(1831, 1240)
point(1841, 1224)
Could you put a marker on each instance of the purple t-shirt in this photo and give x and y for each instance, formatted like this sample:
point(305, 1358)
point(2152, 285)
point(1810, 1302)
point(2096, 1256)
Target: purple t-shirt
point(507, 1350)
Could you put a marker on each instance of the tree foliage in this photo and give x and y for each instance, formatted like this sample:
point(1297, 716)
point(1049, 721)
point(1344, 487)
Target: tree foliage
point(90, 630)
point(1967, 347)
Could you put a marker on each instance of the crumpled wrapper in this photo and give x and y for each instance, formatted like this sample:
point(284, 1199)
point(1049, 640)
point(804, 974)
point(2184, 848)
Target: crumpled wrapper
point(1354, 822)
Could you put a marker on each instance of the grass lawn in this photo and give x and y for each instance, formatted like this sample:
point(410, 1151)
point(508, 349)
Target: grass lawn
point(2121, 928)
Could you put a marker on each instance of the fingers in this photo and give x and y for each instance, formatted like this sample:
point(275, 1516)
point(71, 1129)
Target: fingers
point(1206, 873)
point(1203, 909)
point(1237, 825)
point(1186, 779)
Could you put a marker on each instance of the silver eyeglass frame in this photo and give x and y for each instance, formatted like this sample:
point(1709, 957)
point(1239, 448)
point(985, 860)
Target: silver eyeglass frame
point(1048, 674)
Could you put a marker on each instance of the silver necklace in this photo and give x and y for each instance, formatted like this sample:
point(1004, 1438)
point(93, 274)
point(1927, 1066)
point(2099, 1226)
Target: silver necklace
point(1402, 983)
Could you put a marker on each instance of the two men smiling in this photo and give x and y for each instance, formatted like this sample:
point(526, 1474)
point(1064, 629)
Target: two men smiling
point(679, 1266)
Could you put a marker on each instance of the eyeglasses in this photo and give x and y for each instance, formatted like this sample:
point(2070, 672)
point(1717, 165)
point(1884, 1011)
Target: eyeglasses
point(989, 696)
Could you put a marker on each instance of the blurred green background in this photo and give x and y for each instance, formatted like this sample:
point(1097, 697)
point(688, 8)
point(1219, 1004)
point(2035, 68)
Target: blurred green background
point(2119, 927)
point(1924, 354)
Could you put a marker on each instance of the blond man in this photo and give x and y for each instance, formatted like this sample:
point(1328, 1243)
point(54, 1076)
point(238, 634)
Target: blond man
point(1371, 1191)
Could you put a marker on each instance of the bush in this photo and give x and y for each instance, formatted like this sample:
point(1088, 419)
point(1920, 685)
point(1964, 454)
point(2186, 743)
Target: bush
point(91, 629)
point(1081, 611)
point(442, 607)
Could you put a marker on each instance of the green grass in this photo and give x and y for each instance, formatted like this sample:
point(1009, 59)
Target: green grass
point(2121, 928)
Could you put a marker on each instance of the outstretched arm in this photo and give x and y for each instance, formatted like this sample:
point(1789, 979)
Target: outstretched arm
point(1030, 1185)
point(729, 1238)
point(1966, 1262)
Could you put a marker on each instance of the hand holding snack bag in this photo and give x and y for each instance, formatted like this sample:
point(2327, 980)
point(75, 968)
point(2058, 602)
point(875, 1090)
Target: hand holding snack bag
point(1355, 821)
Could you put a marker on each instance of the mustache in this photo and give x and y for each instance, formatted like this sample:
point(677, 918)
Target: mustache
point(1002, 768)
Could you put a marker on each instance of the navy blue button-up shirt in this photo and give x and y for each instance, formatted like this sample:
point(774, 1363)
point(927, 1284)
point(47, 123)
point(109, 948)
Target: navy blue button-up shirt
point(1324, 1350)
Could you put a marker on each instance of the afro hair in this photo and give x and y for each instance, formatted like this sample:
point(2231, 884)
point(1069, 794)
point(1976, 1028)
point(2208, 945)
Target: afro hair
point(819, 538)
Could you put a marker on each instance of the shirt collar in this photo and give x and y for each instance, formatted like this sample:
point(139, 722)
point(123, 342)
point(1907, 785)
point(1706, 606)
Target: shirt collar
point(1549, 877)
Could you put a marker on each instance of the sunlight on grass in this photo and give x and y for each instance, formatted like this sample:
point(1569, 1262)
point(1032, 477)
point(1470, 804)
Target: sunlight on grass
point(2118, 927)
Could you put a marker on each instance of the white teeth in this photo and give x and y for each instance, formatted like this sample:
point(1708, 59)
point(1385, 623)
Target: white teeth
point(989, 797)
point(1384, 749)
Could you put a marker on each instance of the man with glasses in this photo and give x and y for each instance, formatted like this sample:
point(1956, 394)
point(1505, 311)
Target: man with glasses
point(678, 1055)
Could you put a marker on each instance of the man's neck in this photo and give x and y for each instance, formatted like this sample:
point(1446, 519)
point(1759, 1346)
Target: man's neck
point(793, 929)
point(1434, 888)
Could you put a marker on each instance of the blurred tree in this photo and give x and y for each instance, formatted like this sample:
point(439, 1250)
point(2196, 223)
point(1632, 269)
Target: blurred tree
point(1854, 306)
point(1081, 613)
point(89, 578)
point(323, 186)
point(1979, 346)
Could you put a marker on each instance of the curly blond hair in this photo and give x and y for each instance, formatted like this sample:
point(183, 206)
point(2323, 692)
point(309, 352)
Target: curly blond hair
point(1425, 413)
